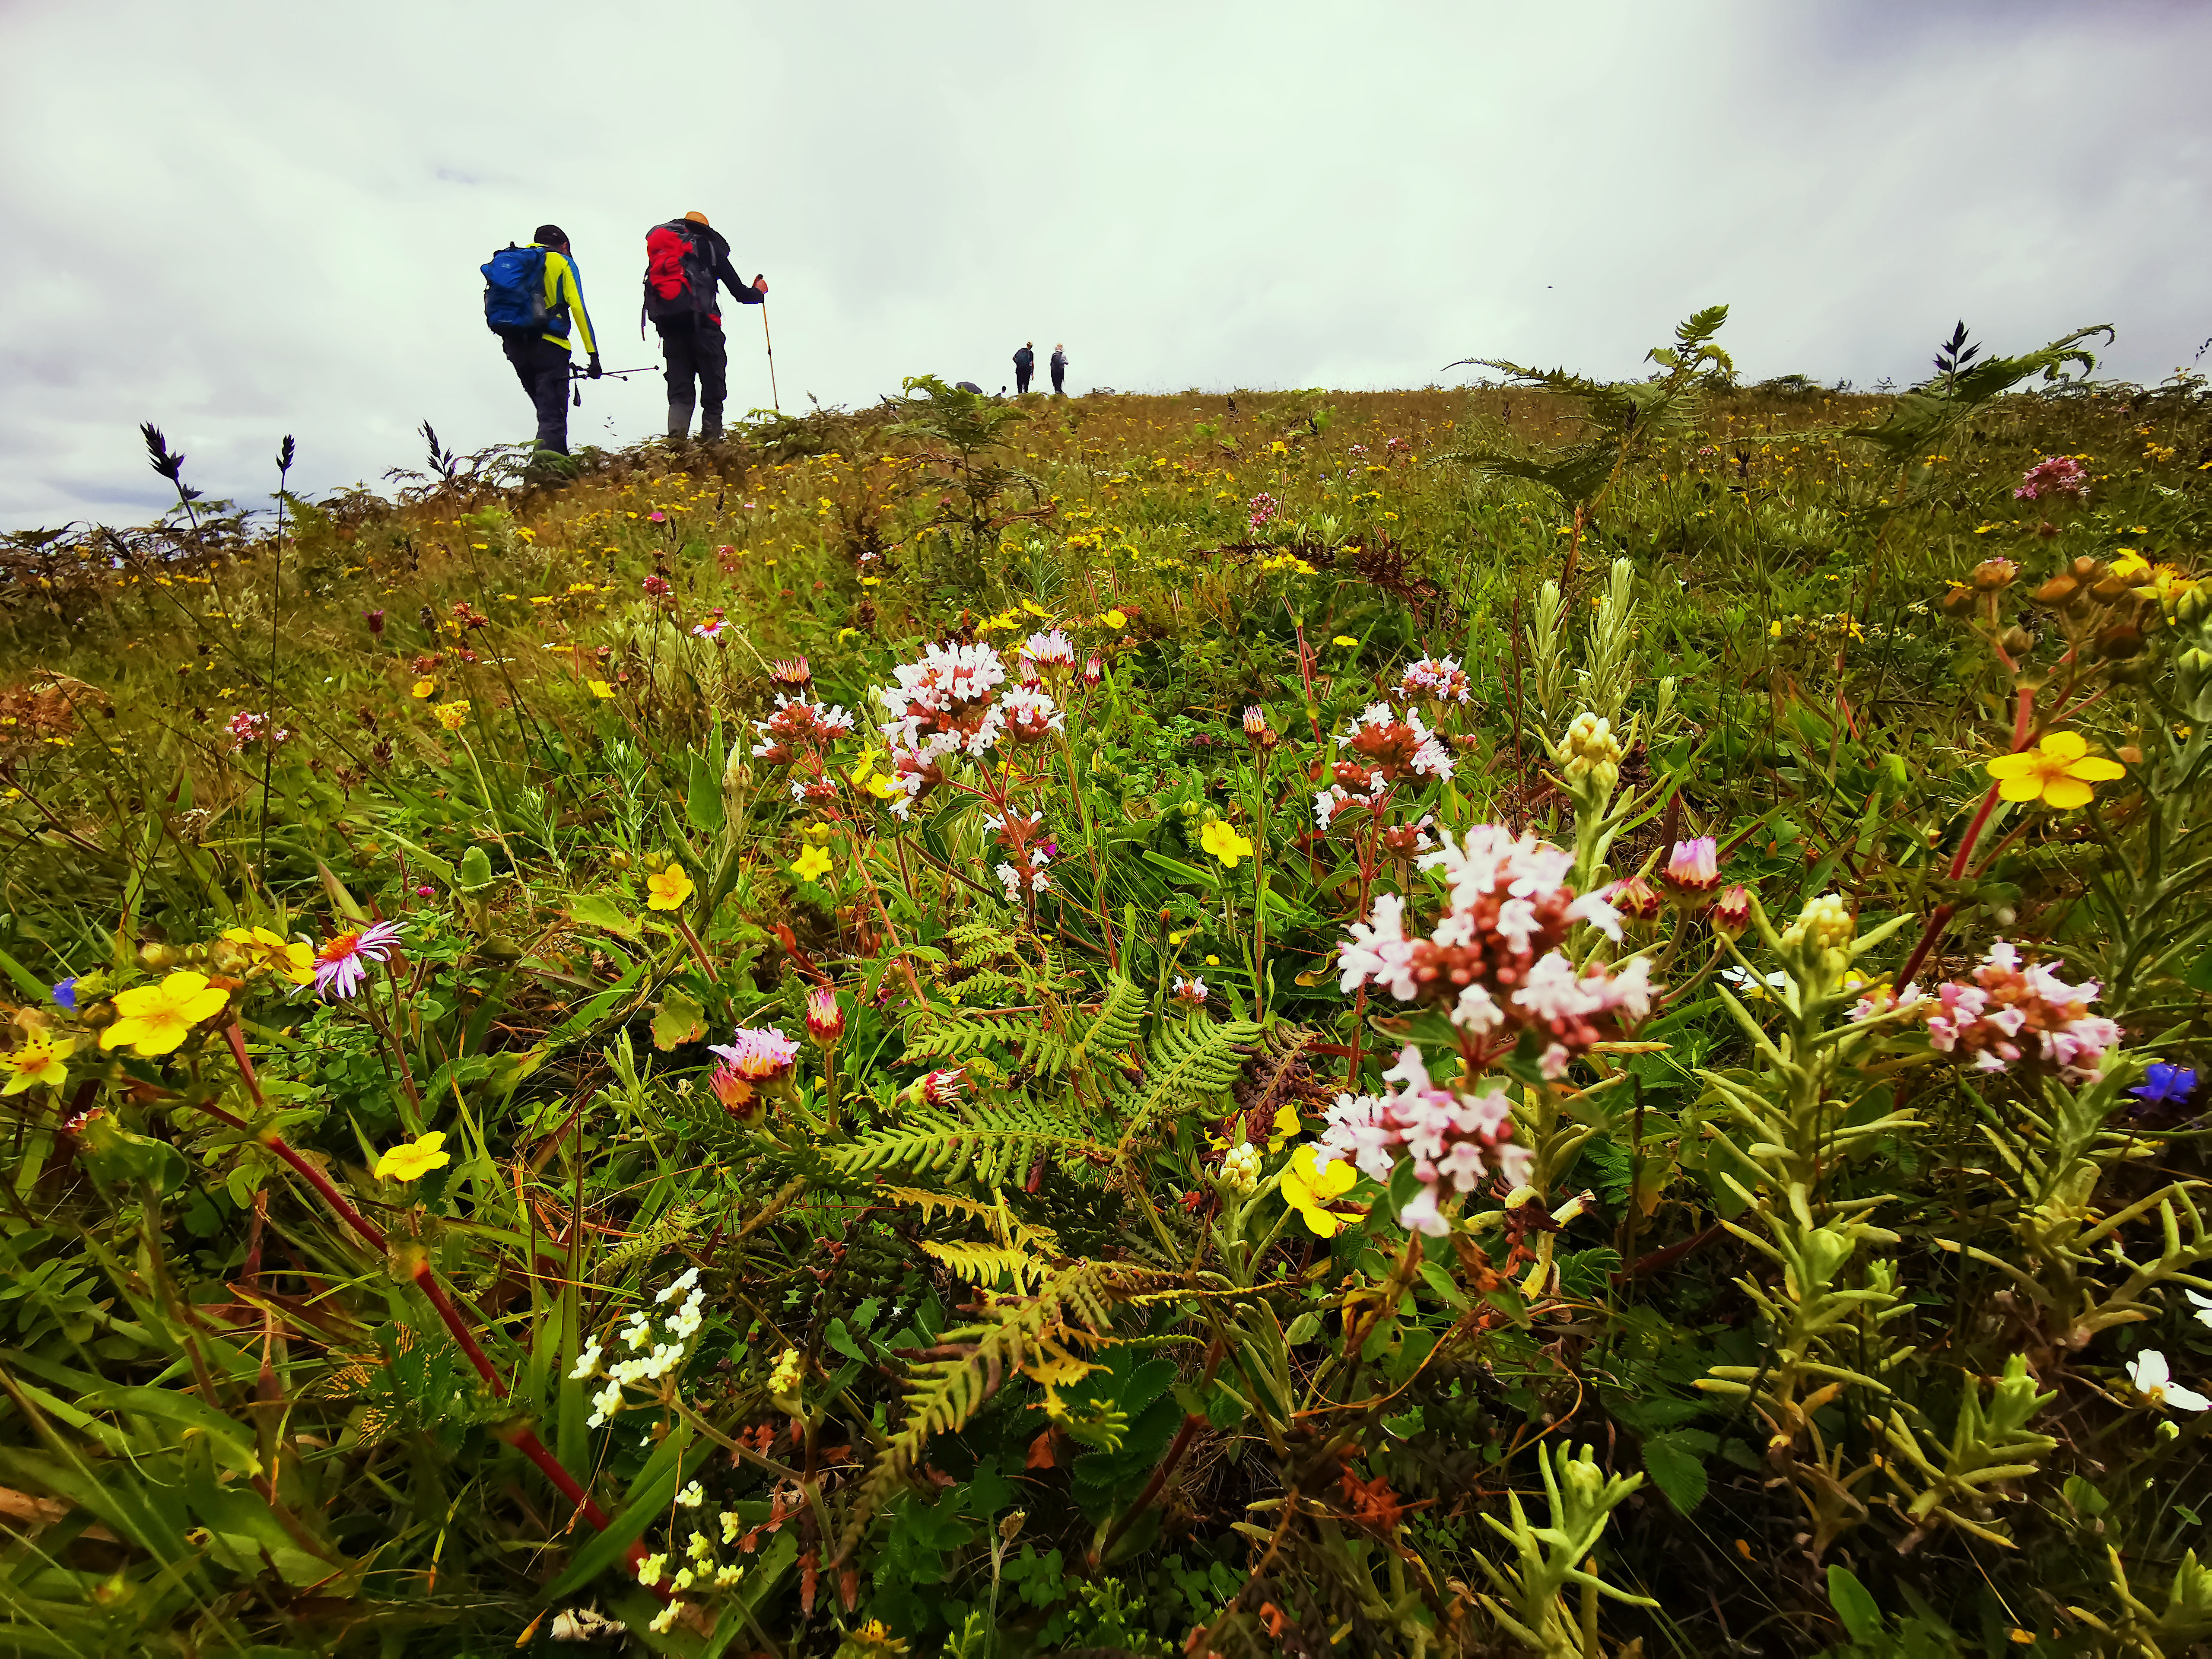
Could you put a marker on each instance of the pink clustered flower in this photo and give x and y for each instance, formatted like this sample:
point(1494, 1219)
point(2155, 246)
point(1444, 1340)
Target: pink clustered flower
point(657, 587)
point(1444, 680)
point(1451, 1137)
point(246, 728)
point(1493, 960)
point(797, 735)
point(1693, 868)
point(1390, 748)
point(1023, 838)
point(949, 704)
point(756, 1051)
point(2014, 1013)
point(1263, 510)
point(2054, 475)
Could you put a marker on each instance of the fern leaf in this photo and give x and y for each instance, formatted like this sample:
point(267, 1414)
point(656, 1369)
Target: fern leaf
point(998, 1140)
point(1182, 1068)
point(666, 1231)
point(982, 1264)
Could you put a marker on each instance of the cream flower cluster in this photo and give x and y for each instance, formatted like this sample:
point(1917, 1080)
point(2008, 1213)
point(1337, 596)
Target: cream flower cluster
point(648, 1364)
point(1453, 1139)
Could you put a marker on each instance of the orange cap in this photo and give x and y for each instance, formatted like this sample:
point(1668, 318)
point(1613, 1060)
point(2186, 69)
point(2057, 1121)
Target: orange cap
point(697, 218)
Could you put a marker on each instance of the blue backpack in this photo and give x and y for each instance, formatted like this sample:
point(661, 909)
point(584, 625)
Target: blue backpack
point(514, 288)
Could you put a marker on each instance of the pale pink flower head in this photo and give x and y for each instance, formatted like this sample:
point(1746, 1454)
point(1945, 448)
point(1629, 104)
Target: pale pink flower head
point(757, 1053)
point(2054, 475)
point(1692, 869)
point(1732, 914)
point(825, 1020)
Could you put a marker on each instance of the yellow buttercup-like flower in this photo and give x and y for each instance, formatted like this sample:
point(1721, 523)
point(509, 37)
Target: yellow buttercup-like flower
point(669, 889)
point(2058, 772)
point(811, 864)
point(416, 1159)
point(598, 688)
point(1115, 619)
point(452, 715)
point(289, 958)
point(157, 1018)
point(1221, 840)
point(38, 1060)
point(424, 688)
point(1306, 1192)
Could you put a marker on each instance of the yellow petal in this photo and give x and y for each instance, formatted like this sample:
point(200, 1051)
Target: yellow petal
point(2096, 769)
point(2065, 745)
point(2029, 787)
point(2011, 766)
point(2066, 793)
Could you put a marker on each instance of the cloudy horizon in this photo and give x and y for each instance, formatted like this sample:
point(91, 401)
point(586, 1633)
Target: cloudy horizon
point(245, 219)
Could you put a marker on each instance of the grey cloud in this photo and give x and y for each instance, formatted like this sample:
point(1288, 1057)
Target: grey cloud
point(262, 218)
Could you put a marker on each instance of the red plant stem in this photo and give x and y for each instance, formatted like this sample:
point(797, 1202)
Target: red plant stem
point(2023, 722)
point(520, 1435)
point(698, 950)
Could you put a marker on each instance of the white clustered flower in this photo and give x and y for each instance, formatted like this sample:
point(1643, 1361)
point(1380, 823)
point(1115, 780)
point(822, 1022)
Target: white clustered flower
point(700, 1547)
point(586, 1362)
point(732, 1525)
point(665, 1620)
point(691, 1497)
point(1451, 1137)
point(677, 1287)
point(727, 1574)
point(1430, 757)
point(1444, 680)
point(1011, 879)
point(606, 1403)
point(1192, 990)
point(648, 1571)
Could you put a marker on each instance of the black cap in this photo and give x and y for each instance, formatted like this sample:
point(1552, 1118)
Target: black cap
point(546, 235)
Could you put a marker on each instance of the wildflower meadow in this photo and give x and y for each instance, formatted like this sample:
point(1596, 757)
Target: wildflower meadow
point(1564, 1017)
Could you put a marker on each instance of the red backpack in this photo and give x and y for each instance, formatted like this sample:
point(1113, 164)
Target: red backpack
point(678, 272)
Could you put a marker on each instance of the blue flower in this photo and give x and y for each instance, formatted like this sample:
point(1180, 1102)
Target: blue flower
point(65, 993)
point(2164, 1085)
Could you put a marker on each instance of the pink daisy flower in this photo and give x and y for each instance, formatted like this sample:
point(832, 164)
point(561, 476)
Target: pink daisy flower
point(339, 964)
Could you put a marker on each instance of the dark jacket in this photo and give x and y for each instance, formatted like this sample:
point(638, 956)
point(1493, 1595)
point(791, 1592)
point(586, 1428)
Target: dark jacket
point(1026, 359)
point(1059, 361)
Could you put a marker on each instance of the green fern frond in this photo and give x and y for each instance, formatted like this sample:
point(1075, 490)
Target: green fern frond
point(1010, 1228)
point(998, 1141)
point(1182, 1068)
point(982, 1264)
point(671, 1228)
point(944, 1395)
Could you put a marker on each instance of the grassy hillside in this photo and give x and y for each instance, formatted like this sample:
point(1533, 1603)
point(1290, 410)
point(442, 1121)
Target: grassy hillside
point(1564, 1018)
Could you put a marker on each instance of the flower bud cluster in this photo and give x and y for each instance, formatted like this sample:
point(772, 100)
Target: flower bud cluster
point(1240, 1170)
point(1029, 853)
point(1390, 749)
point(1592, 753)
point(753, 1056)
point(1454, 1139)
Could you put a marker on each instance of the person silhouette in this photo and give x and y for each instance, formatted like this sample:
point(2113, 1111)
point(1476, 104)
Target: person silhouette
point(1059, 371)
point(1024, 366)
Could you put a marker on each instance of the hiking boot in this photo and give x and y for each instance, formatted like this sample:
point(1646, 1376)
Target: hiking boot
point(679, 422)
point(710, 423)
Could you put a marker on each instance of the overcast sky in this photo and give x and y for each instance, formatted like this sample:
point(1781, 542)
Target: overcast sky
point(240, 220)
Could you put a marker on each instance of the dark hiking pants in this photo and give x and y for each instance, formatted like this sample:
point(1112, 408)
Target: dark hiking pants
point(542, 368)
point(697, 349)
point(1022, 377)
point(1059, 378)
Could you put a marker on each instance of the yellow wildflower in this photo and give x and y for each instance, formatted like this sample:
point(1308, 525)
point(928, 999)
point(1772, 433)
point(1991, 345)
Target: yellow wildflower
point(669, 889)
point(452, 715)
point(294, 959)
point(1346, 641)
point(1306, 1190)
point(38, 1060)
point(424, 687)
point(416, 1159)
point(157, 1018)
point(598, 688)
point(811, 864)
point(2057, 771)
point(1223, 841)
point(1115, 619)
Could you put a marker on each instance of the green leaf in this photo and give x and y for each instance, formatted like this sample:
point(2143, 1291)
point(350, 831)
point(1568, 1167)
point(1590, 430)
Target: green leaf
point(1675, 1461)
point(702, 801)
point(1303, 1328)
point(678, 1020)
point(475, 871)
point(1855, 1605)
point(650, 1495)
point(1182, 871)
point(233, 1444)
point(602, 909)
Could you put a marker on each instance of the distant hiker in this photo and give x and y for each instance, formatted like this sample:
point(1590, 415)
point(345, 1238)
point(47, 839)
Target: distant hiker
point(1059, 371)
point(1024, 365)
point(529, 293)
point(684, 260)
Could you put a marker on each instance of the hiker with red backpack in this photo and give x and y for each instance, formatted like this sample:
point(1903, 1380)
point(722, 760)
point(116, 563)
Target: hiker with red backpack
point(684, 260)
point(530, 294)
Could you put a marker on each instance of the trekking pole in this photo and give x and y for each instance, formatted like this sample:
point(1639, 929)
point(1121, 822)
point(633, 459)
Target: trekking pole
point(773, 400)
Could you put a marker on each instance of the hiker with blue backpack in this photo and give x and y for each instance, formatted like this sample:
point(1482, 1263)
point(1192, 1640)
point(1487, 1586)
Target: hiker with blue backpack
point(529, 294)
point(684, 260)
